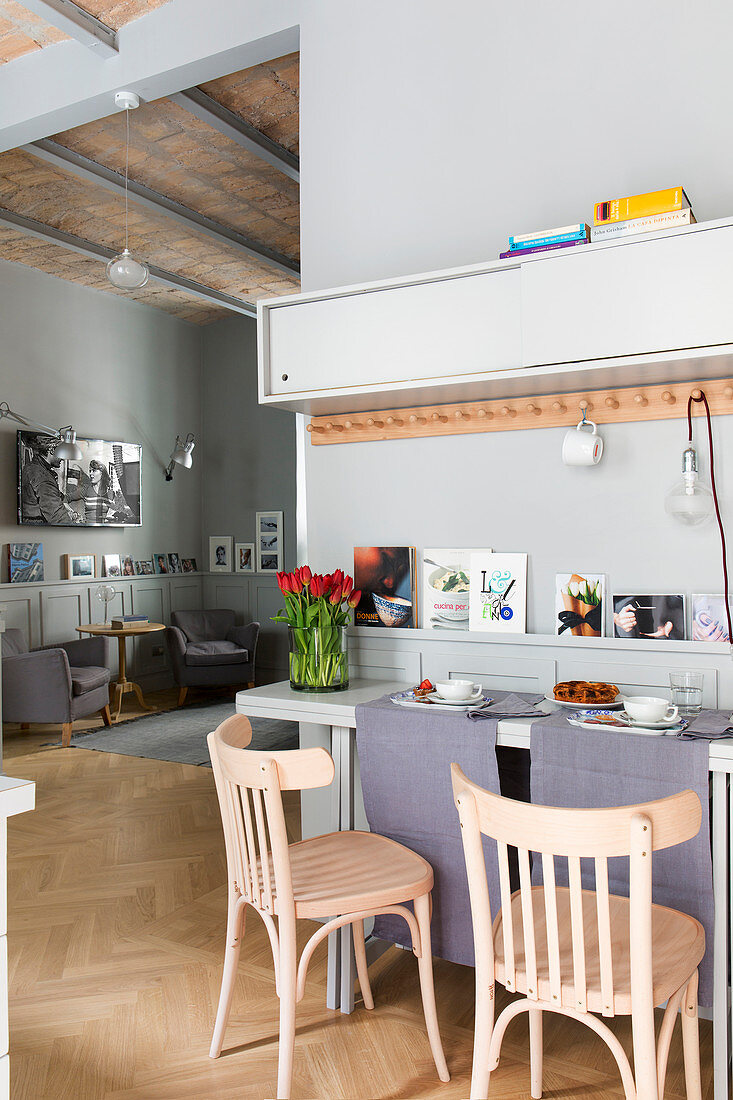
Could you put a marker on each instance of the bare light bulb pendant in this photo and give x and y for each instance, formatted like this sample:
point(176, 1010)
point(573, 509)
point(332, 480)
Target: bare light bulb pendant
point(123, 270)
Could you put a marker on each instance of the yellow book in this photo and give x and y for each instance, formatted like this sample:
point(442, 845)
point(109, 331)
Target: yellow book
point(640, 206)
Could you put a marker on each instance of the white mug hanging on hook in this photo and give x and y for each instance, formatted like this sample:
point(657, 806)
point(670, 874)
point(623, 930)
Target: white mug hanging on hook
point(582, 445)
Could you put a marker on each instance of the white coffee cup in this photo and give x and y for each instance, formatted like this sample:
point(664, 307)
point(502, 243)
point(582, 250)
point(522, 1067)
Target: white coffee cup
point(458, 689)
point(581, 447)
point(645, 708)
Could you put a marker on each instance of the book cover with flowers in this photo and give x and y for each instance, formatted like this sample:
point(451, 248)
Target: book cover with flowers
point(386, 577)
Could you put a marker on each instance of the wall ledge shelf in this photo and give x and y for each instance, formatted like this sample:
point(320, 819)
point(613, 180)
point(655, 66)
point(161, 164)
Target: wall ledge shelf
point(552, 641)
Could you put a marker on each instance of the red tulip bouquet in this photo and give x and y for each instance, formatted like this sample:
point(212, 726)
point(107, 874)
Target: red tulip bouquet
point(317, 613)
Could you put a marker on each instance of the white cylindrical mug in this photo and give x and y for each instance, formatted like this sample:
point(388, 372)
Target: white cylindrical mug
point(582, 448)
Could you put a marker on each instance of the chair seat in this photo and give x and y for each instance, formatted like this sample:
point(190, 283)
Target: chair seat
point(346, 872)
point(215, 653)
point(678, 945)
point(87, 678)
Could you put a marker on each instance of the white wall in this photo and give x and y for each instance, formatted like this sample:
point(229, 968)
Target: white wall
point(429, 134)
point(115, 370)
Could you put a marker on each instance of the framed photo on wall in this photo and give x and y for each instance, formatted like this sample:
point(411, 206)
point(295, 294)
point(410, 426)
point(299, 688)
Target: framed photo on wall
point(79, 566)
point(244, 557)
point(269, 544)
point(102, 489)
point(220, 553)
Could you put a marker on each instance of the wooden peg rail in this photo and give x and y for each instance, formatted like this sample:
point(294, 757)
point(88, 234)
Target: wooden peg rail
point(558, 410)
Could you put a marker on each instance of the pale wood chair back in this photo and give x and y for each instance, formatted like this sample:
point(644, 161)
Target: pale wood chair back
point(249, 786)
point(633, 831)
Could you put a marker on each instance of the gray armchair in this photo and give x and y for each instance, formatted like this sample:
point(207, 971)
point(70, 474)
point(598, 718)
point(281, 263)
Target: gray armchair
point(208, 650)
point(57, 683)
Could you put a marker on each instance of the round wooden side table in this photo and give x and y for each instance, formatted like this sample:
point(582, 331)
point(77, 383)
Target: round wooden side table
point(122, 685)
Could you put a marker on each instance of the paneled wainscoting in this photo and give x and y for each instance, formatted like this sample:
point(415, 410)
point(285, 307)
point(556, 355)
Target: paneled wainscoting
point(50, 611)
point(536, 662)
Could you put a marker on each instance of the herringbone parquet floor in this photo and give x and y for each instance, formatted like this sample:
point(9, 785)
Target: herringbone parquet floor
point(116, 925)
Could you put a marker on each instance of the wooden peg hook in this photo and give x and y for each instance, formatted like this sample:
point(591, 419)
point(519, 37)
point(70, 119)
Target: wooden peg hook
point(611, 402)
point(640, 399)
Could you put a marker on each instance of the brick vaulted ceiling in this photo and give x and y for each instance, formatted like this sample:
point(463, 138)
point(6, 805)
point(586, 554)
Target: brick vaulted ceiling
point(22, 31)
point(187, 160)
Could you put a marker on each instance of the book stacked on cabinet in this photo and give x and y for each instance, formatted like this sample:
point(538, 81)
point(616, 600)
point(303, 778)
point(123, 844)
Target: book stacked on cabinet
point(647, 213)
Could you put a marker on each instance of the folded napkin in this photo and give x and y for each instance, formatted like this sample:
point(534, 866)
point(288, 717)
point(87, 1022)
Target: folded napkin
point(511, 706)
point(710, 725)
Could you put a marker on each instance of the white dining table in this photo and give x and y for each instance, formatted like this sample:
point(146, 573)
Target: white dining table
point(337, 711)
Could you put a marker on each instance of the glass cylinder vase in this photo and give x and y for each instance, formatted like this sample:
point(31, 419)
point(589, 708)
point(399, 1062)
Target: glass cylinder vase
point(318, 658)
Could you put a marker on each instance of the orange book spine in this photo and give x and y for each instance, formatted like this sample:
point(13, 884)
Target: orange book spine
point(639, 206)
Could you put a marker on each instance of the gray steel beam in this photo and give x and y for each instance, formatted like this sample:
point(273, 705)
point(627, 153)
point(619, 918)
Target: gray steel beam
point(77, 23)
point(69, 161)
point(203, 107)
point(32, 228)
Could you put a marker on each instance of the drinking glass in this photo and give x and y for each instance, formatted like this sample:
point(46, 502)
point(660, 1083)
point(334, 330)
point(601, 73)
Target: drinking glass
point(686, 690)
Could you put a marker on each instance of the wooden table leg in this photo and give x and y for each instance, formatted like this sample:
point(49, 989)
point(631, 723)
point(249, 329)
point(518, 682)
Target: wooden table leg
point(122, 685)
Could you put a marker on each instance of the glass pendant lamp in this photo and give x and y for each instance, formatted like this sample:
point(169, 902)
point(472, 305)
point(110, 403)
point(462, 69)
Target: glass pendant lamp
point(123, 270)
point(690, 500)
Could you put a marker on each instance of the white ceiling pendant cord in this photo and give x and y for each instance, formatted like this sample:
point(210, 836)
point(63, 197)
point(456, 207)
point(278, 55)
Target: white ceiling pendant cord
point(123, 270)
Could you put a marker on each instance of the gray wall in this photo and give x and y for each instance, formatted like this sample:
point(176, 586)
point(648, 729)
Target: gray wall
point(248, 451)
point(455, 127)
point(115, 370)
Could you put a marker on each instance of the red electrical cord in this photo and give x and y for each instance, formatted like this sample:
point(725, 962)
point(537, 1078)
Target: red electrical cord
point(704, 399)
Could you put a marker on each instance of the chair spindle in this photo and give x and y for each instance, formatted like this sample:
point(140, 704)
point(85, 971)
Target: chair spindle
point(605, 950)
point(553, 931)
point(578, 933)
point(530, 948)
point(507, 923)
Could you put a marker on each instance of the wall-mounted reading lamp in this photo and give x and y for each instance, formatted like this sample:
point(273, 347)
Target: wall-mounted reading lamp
point(181, 455)
point(65, 438)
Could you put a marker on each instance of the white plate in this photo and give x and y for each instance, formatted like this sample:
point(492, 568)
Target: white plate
point(407, 699)
point(609, 719)
point(584, 706)
point(619, 729)
point(434, 697)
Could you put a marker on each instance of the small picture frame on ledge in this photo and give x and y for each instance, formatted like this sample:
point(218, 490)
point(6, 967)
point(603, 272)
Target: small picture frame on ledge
point(160, 563)
point(79, 567)
point(220, 553)
point(174, 563)
point(269, 529)
point(188, 565)
point(244, 557)
point(112, 565)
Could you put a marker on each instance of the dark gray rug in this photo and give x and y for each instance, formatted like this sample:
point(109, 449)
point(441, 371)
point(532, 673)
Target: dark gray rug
point(180, 735)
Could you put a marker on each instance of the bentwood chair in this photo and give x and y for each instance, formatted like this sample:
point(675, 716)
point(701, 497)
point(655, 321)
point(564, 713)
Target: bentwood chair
point(577, 951)
point(354, 875)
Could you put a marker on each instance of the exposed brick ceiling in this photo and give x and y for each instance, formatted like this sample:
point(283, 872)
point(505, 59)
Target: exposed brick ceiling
point(22, 32)
point(187, 160)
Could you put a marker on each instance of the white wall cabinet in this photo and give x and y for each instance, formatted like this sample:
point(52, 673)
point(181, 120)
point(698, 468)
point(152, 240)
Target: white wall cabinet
point(650, 309)
point(407, 333)
point(651, 296)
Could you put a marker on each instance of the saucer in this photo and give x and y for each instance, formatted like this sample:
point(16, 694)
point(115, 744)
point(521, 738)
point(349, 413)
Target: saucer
point(666, 724)
point(477, 700)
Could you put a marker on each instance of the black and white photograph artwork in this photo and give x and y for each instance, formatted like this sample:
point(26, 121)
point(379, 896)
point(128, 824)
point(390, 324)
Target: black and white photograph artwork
point(221, 553)
point(269, 527)
point(174, 563)
point(649, 615)
point(102, 489)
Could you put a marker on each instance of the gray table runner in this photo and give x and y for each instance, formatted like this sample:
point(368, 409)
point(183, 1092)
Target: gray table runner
point(578, 767)
point(405, 756)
